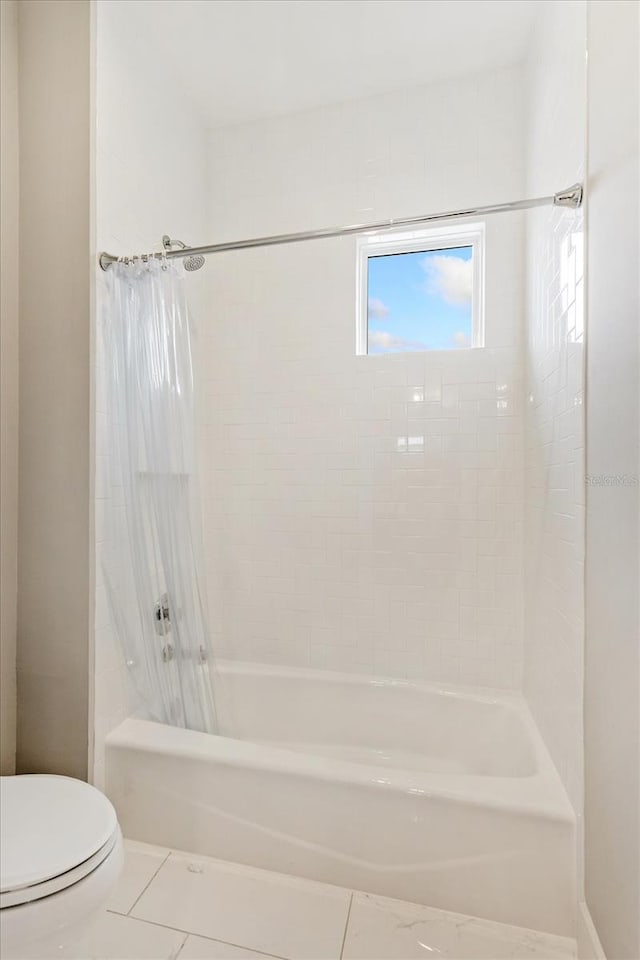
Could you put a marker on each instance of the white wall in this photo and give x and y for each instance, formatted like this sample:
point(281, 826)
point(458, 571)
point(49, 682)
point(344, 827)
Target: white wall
point(612, 680)
point(55, 468)
point(150, 180)
point(554, 433)
point(326, 546)
point(9, 174)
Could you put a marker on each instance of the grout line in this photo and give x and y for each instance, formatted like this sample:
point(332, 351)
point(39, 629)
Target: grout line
point(180, 949)
point(192, 933)
point(238, 946)
point(147, 885)
point(346, 926)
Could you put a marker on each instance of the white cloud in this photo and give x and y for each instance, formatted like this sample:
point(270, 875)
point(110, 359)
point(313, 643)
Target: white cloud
point(384, 342)
point(450, 277)
point(461, 339)
point(377, 308)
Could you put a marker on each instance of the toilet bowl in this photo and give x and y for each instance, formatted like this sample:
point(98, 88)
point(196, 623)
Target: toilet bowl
point(61, 853)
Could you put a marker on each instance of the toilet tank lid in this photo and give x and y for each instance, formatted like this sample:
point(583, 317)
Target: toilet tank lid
point(48, 825)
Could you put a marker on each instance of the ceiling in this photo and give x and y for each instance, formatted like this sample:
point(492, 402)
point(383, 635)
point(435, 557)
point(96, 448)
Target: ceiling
point(241, 60)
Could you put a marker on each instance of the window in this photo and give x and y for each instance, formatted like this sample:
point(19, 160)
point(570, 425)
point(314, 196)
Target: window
point(421, 290)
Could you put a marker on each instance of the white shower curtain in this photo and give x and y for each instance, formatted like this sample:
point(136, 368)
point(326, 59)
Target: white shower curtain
point(156, 576)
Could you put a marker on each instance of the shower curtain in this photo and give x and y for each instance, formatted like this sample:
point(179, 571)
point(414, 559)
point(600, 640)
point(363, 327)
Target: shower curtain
point(155, 580)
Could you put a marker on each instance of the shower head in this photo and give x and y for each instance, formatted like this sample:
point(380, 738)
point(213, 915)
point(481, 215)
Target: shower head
point(194, 262)
point(190, 263)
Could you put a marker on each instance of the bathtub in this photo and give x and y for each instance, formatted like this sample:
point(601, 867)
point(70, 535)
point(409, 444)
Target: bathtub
point(441, 795)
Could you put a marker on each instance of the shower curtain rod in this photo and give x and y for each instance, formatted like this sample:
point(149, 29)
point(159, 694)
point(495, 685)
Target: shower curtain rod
point(570, 197)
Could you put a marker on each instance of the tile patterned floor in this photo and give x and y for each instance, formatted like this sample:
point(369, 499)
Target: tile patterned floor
point(174, 906)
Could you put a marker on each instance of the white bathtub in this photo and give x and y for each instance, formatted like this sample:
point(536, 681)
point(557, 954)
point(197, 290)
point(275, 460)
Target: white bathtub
point(441, 795)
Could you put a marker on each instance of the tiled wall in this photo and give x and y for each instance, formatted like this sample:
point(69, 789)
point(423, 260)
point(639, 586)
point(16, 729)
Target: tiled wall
point(554, 464)
point(329, 543)
point(150, 180)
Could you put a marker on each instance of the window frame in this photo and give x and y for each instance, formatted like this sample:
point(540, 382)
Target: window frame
point(420, 241)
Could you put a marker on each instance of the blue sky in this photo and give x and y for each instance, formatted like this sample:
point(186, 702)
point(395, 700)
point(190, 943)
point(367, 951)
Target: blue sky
point(420, 301)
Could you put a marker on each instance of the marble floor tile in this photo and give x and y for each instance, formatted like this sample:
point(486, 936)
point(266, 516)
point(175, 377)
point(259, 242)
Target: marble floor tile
point(383, 929)
point(175, 906)
point(141, 862)
point(114, 937)
point(266, 912)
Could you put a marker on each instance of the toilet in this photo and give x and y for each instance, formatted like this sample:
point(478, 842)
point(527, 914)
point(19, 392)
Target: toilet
point(61, 853)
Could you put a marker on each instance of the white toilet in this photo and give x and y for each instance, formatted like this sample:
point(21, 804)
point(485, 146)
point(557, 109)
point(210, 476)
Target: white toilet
point(60, 856)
